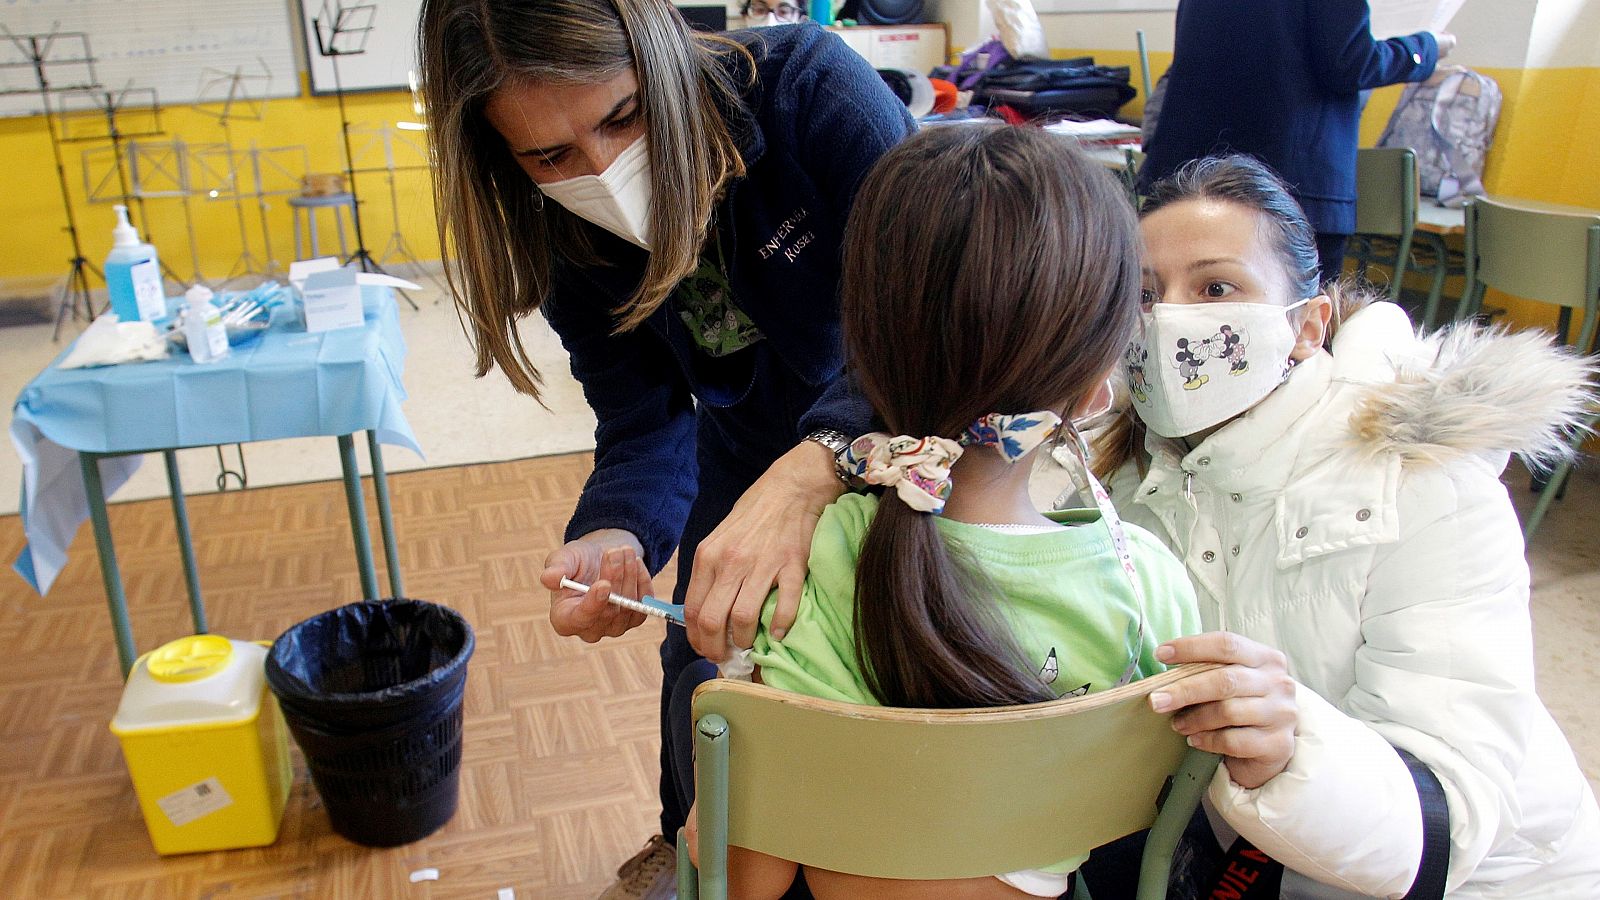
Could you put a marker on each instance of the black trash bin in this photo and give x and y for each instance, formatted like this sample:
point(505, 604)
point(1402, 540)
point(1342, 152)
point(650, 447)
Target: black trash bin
point(372, 694)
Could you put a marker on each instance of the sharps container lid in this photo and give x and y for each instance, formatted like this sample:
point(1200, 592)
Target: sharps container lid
point(197, 681)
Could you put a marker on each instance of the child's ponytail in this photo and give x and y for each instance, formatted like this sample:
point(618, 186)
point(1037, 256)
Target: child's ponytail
point(986, 270)
point(927, 630)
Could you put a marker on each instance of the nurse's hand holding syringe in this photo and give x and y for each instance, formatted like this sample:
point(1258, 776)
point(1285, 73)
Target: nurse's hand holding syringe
point(650, 606)
point(609, 559)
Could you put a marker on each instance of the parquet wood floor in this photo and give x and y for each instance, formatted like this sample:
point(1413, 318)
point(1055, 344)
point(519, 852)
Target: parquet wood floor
point(558, 780)
point(559, 770)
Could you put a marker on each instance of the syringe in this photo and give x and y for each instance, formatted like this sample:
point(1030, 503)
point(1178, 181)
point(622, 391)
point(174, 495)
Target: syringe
point(650, 606)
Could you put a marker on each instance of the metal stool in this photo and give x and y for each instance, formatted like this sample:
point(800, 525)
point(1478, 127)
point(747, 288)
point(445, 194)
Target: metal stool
point(309, 206)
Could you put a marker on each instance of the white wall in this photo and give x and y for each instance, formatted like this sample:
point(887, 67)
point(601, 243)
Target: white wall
point(1494, 33)
point(1106, 30)
point(1565, 33)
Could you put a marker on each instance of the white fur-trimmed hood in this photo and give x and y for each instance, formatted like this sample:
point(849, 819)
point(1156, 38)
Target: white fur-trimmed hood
point(1464, 390)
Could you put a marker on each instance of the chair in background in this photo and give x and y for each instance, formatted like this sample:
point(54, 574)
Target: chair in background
point(1386, 211)
point(1133, 163)
point(937, 794)
point(1543, 255)
point(306, 206)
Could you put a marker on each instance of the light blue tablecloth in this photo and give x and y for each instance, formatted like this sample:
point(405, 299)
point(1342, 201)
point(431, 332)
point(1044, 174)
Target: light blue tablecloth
point(287, 384)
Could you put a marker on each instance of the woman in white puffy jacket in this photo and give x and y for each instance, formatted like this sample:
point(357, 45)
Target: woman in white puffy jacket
point(1359, 564)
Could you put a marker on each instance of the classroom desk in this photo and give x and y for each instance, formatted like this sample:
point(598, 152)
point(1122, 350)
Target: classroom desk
point(1439, 220)
point(1436, 223)
point(81, 433)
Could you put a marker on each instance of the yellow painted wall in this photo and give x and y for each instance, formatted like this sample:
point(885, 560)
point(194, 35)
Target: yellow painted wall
point(1547, 148)
point(36, 243)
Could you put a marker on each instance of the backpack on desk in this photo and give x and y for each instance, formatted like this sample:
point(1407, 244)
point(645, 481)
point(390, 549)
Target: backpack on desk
point(1449, 121)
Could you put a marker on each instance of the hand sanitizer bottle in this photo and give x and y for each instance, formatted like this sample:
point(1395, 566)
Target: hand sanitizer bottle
point(202, 326)
point(133, 275)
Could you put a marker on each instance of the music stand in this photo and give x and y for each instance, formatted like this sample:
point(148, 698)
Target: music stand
point(392, 142)
point(229, 96)
point(347, 29)
point(34, 51)
point(93, 116)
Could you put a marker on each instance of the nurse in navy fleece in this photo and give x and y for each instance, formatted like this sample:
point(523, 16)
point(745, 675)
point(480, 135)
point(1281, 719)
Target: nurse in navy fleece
point(1281, 80)
point(672, 202)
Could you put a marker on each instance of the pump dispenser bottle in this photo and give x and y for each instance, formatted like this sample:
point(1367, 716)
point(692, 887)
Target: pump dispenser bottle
point(133, 274)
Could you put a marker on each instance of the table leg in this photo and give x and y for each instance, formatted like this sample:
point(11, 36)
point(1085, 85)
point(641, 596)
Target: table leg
point(358, 517)
point(94, 492)
point(380, 486)
point(180, 519)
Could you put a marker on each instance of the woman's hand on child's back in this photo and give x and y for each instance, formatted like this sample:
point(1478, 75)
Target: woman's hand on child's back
point(1244, 710)
point(608, 561)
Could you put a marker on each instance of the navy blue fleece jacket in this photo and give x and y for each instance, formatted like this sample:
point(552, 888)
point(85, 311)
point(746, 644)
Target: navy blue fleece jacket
point(813, 124)
point(1281, 81)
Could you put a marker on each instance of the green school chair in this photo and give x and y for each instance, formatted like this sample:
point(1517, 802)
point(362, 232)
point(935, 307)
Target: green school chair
point(937, 794)
point(1543, 253)
point(1133, 161)
point(1386, 216)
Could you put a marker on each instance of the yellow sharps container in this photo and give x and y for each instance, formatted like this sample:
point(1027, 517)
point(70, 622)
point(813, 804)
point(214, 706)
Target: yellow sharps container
point(205, 744)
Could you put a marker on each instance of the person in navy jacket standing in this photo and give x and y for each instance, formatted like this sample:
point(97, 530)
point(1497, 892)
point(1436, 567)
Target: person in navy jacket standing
point(673, 204)
point(1281, 80)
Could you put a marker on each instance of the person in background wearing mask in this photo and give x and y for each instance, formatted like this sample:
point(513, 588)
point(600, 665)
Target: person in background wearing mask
point(1336, 499)
point(761, 13)
point(1281, 80)
point(673, 204)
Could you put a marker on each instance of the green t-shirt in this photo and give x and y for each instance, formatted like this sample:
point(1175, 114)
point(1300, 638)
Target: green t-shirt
point(1067, 598)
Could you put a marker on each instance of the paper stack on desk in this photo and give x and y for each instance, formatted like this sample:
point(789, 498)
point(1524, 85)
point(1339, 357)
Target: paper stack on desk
point(1096, 131)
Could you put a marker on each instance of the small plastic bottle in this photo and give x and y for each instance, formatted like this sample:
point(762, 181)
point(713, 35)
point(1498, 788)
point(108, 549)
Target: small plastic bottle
point(202, 326)
point(133, 274)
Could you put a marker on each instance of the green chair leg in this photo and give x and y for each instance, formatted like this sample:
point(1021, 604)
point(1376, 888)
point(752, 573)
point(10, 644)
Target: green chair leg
point(1402, 264)
point(711, 802)
point(1080, 890)
point(1553, 484)
point(688, 878)
point(1546, 497)
point(1183, 798)
point(1441, 270)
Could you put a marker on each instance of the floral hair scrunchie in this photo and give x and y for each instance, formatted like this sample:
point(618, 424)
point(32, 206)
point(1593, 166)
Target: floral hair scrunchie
point(919, 468)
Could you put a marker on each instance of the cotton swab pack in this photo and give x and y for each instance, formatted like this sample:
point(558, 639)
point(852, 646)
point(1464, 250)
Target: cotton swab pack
point(650, 606)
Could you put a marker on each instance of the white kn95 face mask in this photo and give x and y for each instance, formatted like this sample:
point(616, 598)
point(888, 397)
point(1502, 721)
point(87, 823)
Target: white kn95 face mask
point(617, 199)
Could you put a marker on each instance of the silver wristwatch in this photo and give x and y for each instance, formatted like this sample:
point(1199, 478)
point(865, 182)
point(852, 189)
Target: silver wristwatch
point(836, 442)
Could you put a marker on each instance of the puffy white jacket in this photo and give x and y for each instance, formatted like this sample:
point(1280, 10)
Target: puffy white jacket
point(1355, 520)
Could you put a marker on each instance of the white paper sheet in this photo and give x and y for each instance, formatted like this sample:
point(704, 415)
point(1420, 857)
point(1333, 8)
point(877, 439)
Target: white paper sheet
point(301, 269)
point(1393, 18)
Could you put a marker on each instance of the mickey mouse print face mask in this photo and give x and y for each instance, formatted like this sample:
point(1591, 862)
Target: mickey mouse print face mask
point(1200, 364)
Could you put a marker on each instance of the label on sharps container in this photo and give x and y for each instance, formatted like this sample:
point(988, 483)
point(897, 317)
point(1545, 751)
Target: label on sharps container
point(147, 290)
point(198, 799)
